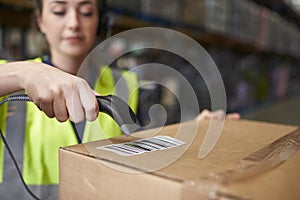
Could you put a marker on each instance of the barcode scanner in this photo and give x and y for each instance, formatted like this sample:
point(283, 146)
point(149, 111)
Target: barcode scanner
point(112, 105)
point(120, 111)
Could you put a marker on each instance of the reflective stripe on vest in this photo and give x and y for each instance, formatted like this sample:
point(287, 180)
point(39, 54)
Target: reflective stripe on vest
point(105, 126)
point(3, 111)
point(15, 137)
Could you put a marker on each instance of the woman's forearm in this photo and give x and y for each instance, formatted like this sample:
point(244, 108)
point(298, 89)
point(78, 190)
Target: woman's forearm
point(10, 77)
point(57, 93)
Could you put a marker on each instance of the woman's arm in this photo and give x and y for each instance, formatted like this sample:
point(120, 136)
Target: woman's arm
point(55, 92)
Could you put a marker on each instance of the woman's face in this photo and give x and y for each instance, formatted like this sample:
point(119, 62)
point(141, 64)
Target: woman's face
point(70, 26)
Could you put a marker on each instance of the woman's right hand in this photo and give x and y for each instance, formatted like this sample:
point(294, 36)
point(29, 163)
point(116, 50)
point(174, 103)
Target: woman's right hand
point(57, 93)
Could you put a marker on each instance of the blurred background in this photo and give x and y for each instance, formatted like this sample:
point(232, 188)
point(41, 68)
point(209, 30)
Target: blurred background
point(254, 43)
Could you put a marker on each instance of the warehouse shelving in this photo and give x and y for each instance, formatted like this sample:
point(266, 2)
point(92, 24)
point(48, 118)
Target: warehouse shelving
point(243, 37)
point(253, 31)
point(252, 28)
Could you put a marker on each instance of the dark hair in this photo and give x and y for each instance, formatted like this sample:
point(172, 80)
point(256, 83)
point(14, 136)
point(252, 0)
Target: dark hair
point(38, 4)
point(101, 10)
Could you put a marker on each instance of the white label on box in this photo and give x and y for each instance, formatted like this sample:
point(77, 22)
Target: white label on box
point(143, 145)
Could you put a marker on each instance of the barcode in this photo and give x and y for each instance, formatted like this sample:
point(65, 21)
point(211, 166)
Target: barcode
point(143, 145)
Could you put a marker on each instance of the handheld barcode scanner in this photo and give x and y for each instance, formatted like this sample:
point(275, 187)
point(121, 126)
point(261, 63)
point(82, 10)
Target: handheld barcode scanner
point(120, 111)
point(112, 105)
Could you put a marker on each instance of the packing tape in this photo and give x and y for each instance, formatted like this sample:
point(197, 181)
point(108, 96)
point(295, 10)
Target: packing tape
point(256, 163)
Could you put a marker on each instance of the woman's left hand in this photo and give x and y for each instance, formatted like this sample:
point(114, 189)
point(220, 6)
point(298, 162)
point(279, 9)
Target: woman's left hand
point(218, 114)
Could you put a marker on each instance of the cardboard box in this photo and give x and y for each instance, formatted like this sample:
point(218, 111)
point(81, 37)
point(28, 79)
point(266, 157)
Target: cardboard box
point(251, 160)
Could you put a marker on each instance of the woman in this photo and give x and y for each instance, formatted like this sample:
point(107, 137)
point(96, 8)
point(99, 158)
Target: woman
point(70, 27)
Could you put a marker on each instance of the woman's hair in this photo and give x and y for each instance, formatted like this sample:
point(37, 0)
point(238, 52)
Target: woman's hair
point(38, 4)
point(101, 11)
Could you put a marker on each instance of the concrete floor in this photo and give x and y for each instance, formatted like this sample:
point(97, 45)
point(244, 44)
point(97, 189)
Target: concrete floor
point(285, 112)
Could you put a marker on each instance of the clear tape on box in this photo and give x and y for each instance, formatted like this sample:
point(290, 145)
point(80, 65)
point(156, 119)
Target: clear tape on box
point(256, 163)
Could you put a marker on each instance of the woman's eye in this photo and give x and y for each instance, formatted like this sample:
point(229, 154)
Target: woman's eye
point(60, 13)
point(86, 11)
point(87, 14)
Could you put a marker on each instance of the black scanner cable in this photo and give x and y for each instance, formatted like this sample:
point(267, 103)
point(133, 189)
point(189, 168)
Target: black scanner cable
point(112, 105)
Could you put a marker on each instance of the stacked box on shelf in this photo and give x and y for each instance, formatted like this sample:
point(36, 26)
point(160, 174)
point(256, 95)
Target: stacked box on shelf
point(229, 15)
point(248, 16)
point(233, 19)
point(282, 35)
point(253, 21)
point(243, 14)
point(297, 42)
point(208, 14)
point(273, 38)
point(262, 30)
point(269, 38)
point(285, 38)
point(169, 10)
point(276, 33)
point(132, 6)
point(244, 20)
point(216, 16)
point(290, 38)
point(294, 40)
point(233, 25)
point(281, 43)
point(194, 13)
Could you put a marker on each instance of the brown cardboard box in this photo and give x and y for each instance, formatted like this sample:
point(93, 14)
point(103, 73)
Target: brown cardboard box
point(251, 160)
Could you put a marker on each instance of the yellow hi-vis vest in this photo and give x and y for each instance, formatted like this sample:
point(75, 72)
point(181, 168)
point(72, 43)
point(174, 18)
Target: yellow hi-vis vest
point(105, 126)
point(43, 136)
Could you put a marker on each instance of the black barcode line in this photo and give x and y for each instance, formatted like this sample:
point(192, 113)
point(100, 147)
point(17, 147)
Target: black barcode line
point(161, 142)
point(129, 148)
point(150, 144)
point(138, 146)
point(160, 145)
point(116, 149)
point(170, 140)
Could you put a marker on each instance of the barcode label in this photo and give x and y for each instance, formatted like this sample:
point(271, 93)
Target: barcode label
point(143, 145)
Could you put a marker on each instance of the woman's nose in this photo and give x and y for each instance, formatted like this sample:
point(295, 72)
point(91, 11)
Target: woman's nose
point(73, 20)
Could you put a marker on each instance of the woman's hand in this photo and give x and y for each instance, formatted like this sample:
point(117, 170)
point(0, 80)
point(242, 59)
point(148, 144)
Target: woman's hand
point(55, 92)
point(218, 114)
